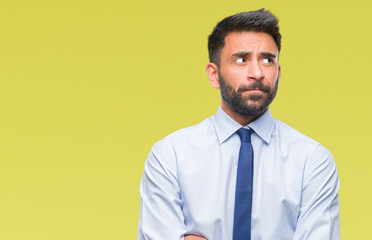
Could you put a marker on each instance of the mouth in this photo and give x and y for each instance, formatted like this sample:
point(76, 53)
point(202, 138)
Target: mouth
point(255, 90)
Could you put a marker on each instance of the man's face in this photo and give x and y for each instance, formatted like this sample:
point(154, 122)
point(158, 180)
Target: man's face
point(249, 72)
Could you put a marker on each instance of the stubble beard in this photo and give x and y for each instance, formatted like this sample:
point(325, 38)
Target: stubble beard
point(252, 105)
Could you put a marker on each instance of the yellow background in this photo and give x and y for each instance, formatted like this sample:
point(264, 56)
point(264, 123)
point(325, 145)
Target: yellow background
point(86, 88)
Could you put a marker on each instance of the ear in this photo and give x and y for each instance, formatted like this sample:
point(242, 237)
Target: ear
point(279, 73)
point(212, 71)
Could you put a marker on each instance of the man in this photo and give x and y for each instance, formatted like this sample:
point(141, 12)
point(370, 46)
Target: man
point(240, 174)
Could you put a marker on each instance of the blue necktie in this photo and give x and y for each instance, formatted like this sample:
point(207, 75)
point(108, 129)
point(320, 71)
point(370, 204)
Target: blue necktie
point(243, 191)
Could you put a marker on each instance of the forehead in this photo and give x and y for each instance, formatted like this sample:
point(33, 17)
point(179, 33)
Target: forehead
point(249, 41)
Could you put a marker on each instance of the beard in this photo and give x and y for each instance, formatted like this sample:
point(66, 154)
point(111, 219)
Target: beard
point(251, 105)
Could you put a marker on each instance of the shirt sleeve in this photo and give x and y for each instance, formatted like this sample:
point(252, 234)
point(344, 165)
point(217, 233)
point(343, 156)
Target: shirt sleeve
point(161, 214)
point(319, 212)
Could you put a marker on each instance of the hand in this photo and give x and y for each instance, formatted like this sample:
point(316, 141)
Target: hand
point(193, 237)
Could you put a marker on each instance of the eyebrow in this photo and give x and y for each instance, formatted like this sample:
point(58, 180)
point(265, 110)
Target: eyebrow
point(242, 54)
point(247, 54)
point(268, 55)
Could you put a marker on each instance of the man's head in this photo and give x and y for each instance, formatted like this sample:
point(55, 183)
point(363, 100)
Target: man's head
point(244, 51)
point(254, 21)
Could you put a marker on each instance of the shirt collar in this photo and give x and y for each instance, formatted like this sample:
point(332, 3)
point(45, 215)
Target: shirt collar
point(226, 126)
point(263, 126)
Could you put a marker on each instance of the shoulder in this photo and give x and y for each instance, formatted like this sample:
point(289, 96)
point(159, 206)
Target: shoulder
point(201, 128)
point(195, 132)
point(289, 134)
point(314, 152)
point(296, 140)
point(286, 131)
point(191, 133)
point(165, 152)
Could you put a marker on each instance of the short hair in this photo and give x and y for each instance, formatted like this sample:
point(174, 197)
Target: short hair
point(254, 21)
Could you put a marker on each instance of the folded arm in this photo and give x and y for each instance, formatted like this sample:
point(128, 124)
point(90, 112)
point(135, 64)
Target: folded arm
point(319, 212)
point(161, 214)
point(193, 237)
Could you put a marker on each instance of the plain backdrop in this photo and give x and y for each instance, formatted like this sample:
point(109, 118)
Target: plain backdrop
point(87, 87)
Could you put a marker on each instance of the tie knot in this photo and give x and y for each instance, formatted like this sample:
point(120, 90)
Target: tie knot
point(245, 134)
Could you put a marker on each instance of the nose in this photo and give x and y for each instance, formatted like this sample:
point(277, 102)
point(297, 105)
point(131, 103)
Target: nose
point(255, 71)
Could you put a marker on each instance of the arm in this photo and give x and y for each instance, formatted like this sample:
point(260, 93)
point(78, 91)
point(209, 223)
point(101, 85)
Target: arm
point(193, 237)
point(319, 212)
point(161, 214)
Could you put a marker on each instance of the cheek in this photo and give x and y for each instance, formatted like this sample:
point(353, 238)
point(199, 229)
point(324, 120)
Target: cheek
point(236, 77)
point(233, 78)
point(272, 77)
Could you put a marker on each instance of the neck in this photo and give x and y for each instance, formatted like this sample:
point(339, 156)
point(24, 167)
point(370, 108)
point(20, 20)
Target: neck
point(242, 119)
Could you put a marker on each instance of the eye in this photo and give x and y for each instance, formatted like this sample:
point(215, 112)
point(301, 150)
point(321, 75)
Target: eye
point(267, 60)
point(240, 60)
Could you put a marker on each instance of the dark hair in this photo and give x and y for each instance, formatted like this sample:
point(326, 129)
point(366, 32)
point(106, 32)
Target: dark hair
point(253, 21)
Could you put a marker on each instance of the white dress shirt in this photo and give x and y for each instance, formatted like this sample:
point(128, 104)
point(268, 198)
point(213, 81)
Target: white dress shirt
point(188, 185)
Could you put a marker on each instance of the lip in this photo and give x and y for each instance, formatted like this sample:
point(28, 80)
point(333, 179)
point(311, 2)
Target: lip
point(255, 91)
